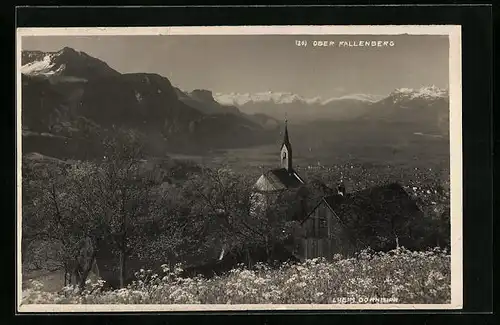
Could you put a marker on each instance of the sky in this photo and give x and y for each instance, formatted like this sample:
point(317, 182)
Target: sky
point(260, 63)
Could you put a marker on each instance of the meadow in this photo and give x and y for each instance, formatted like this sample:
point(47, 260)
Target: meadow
point(397, 277)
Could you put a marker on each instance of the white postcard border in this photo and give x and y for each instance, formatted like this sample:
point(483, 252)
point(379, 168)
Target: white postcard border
point(455, 93)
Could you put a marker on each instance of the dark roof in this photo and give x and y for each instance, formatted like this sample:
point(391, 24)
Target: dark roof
point(287, 178)
point(370, 214)
point(374, 202)
point(281, 178)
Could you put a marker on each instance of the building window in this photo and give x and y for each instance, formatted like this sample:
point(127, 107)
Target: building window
point(322, 227)
point(321, 224)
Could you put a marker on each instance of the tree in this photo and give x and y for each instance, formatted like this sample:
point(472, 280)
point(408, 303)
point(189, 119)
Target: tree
point(162, 235)
point(218, 201)
point(88, 206)
point(221, 213)
point(123, 193)
point(54, 219)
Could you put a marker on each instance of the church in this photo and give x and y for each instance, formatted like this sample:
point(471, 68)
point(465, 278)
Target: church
point(284, 177)
point(281, 186)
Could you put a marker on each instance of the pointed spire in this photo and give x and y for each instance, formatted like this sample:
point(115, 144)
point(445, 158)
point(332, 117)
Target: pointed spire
point(286, 140)
point(286, 154)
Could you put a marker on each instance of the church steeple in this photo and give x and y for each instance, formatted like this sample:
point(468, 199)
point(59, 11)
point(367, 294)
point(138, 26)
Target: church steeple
point(286, 150)
point(286, 140)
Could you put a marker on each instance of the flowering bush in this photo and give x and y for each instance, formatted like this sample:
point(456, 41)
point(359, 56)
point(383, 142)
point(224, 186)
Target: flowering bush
point(399, 276)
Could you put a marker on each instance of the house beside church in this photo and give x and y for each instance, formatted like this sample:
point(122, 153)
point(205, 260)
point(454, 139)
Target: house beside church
point(379, 218)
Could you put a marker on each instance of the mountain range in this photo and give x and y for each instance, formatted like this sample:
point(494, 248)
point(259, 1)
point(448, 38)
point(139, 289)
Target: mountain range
point(69, 94)
point(70, 97)
point(299, 108)
point(347, 107)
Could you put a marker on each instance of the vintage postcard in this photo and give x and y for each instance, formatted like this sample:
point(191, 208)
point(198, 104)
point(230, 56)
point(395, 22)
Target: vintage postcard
point(239, 168)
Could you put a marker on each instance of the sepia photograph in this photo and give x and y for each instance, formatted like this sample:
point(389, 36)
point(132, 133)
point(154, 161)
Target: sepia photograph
point(239, 168)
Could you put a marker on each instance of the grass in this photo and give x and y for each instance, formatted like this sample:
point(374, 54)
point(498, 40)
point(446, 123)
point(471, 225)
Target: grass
point(53, 281)
point(399, 276)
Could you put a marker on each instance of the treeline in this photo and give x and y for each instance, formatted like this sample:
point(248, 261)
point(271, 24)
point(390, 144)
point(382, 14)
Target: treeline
point(128, 212)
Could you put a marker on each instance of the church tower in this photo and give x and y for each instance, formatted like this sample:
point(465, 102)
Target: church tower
point(286, 151)
point(279, 179)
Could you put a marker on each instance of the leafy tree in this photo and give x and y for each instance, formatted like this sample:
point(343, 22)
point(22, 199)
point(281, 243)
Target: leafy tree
point(221, 216)
point(52, 217)
point(90, 204)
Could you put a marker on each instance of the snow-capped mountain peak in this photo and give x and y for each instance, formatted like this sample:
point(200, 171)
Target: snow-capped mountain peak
point(45, 66)
point(359, 97)
point(240, 99)
point(428, 92)
point(48, 63)
point(66, 62)
point(268, 96)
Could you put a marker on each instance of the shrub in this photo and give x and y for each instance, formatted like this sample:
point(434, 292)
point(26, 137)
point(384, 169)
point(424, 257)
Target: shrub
point(399, 276)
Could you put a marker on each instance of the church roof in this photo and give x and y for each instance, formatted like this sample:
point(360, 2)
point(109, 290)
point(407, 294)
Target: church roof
point(278, 179)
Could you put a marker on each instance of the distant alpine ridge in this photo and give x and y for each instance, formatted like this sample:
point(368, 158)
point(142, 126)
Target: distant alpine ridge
point(241, 99)
point(346, 107)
